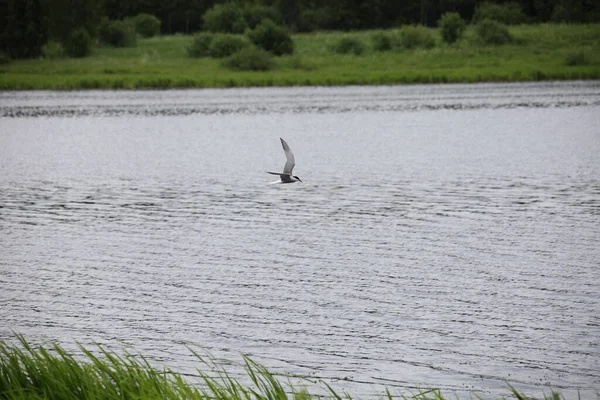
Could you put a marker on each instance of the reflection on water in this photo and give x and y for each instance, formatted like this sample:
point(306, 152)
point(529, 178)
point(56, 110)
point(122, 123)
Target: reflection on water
point(446, 246)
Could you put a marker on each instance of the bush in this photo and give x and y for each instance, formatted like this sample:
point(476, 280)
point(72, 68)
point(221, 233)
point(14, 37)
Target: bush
point(578, 57)
point(508, 13)
point(147, 25)
point(79, 43)
point(250, 58)
point(313, 19)
point(382, 42)
point(4, 58)
point(492, 32)
point(224, 45)
point(347, 45)
point(273, 38)
point(452, 27)
point(117, 33)
point(52, 50)
point(226, 18)
point(416, 36)
point(254, 14)
point(201, 45)
point(571, 11)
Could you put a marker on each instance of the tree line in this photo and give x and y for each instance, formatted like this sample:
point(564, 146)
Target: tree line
point(25, 25)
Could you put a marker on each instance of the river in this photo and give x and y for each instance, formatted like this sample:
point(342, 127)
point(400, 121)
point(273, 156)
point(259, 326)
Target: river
point(444, 236)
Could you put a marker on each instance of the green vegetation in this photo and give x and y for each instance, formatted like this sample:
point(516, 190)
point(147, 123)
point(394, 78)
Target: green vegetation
point(273, 38)
point(224, 45)
point(200, 46)
point(147, 25)
point(250, 58)
point(117, 33)
point(348, 45)
point(79, 44)
point(52, 50)
point(507, 13)
point(452, 27)
point(416, 37)
point(537, 52)
point(226, 18)
point(382, 41)
point(51, 372)
point(492, 32)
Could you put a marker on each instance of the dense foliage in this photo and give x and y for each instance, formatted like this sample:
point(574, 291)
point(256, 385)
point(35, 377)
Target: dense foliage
point(79, 43)
point(250, 58)
point(492, 32)
point(147, 25)
point(117, 33)
point(200, 46)
point(348, 45)
point(273, 38)
point(452, 27)
point(53, 50)
point(226, 18)
point(416, 37)
point(224, 45)
point(26, 25)
point(508, 13)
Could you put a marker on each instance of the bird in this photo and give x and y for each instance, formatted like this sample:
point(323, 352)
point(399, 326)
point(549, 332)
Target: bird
point(286, 176)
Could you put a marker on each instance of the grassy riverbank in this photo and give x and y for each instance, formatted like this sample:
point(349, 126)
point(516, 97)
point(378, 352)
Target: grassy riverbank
point(538, 52)
point(51, 372)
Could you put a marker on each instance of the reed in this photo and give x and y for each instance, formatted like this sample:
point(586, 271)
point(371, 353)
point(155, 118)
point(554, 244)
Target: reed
point(538, 52)
point(51, 372)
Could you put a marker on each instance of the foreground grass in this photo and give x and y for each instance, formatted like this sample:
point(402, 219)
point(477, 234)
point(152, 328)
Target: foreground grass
point(539, 52)
point(38, 372)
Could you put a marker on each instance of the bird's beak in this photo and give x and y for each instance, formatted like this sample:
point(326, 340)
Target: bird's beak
point(300, 180)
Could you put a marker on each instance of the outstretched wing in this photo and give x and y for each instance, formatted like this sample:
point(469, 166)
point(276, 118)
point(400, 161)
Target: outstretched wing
point(289, 165)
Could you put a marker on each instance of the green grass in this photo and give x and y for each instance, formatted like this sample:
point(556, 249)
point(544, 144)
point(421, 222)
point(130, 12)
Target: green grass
point(51, 372)
point(539, 52)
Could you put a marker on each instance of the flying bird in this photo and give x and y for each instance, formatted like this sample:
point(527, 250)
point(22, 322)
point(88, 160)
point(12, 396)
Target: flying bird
point(286, 176)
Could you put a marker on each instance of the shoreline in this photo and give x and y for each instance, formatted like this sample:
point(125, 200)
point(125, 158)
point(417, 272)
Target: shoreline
point(35, 371)
point(539, 53)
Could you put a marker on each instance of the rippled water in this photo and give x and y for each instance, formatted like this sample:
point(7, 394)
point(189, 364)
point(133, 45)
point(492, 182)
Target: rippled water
point(444, 236)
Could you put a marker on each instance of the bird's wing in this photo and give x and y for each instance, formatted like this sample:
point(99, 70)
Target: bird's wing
point(289, 165)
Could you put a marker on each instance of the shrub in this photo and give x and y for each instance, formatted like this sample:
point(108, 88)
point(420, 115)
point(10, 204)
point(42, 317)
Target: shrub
point(508, 13)
point(571, 11)
point(201, 45)
point(254, 14)
point(224, 45)
point(147, 25)
point(492, 32)
point(347, 45)
point(381, 41)
point(52, 50)
point(452, 27)
point(79, 43)
point(250, 58)
point(313, 19)
point(416, 36)
point(4, 58)
point(273, 38)
point(117, 33)
point(577, 58)
point(226, 18)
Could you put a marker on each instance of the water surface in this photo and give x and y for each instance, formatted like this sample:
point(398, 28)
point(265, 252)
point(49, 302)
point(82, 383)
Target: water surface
point(444, 236)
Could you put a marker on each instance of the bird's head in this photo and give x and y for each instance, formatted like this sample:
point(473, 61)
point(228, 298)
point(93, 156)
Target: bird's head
point(298, 179)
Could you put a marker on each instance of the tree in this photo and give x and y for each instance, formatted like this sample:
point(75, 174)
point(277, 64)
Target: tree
point(23, 28)
point(65, 16)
